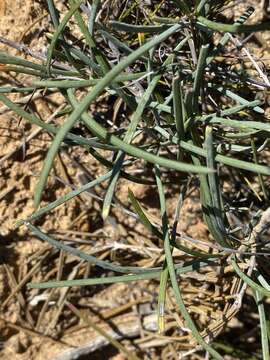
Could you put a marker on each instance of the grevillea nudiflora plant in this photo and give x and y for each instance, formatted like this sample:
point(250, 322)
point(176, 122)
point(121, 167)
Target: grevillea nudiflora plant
point(189, 110)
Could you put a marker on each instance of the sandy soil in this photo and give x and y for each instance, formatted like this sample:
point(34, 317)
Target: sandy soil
point(21, 329)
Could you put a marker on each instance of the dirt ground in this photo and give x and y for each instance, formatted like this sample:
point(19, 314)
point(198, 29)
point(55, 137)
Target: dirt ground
point(37, 325)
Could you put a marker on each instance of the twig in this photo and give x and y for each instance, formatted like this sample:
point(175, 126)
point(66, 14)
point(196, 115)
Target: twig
point(34, 54)
point(31, 136)
point(255, 64)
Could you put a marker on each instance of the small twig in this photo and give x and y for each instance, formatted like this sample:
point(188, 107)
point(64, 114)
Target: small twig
point(34, 54)
point(253, 239)
point(33, 333)
point(102, 332)
point(31, 136)
point(28, 276)
point(61, 302)
point(255, 64)
point(24, 100)
point(36, 21)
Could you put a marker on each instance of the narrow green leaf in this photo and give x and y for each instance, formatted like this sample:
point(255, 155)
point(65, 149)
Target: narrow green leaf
point(234, 28)
point(32, 119)
point(239, 124)
point(200, 6)
point(121, 145)
point(255, 158)
point(236, 109)
point(63, 199)
point(83, 105)
point(155, 231)
point(183, 6)
point(207, 207)
point(94, 10)
point(14, 89)
point(179, 269)
point(249, 281)
point(226, 160)
point(214, 191)
point(143, 218)
point(136, 117)
point(137, 152)
point(197, 85)
point(59, 31)
point(236, 97)
point(263, 325)
point(67, 84)
point(53, 13)
point(27, 67)
point(130, 28)
point(164, 276)
point(82, 255)
point(173, 277)
point(184, 310)
point(225, 38)
point(137, 179)
point(178, 104)
point(119, 44)
point(99, 57)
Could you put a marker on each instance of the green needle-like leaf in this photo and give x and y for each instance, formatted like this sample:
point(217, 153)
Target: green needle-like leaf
point(59, 31)
point(155, 274)
point(263, 325)
point(79, 110)
point(172, 274)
